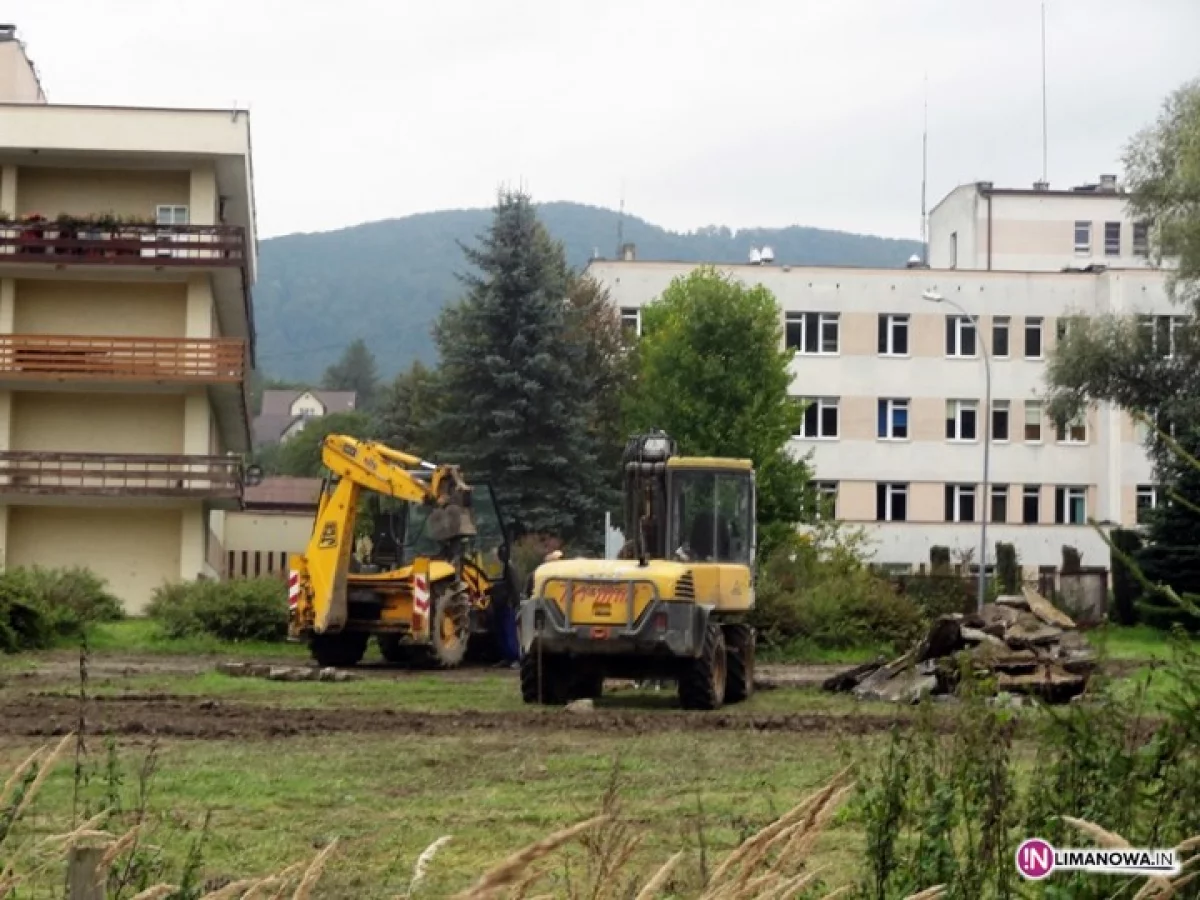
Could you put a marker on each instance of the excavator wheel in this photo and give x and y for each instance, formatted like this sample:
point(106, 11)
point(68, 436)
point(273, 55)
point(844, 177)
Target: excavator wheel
point(544, 680)
point(702, 680)
point(739, 682)
point(340, 650)
point(394, 650)
point(450, 628)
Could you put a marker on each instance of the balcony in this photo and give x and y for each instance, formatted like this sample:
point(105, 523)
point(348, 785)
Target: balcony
point(122, 475)
point(71, 358)
point(106, 241)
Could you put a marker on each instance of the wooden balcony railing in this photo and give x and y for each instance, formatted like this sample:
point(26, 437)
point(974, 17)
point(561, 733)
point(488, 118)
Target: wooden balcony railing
point(136, 244)
point(119, 474)
point(38, 357)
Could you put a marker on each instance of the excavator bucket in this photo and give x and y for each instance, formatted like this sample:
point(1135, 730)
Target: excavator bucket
point(422, 608)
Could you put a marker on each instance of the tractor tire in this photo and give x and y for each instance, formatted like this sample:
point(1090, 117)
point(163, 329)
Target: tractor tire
point(449, 628)
point(544, 680)
point(702, 680)
point(394, 650)
point(740, 644)
point(590, 687)
point(340, 651)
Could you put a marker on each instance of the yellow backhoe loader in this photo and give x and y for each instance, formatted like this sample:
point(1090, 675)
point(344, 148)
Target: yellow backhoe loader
point(674, 608)
point(437, 565)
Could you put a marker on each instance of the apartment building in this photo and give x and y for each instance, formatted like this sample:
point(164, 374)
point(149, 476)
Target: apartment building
point(894, 385)
point(127, 256)
point(981, 226)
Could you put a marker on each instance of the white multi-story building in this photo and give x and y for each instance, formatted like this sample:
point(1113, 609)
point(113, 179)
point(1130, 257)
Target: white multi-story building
point(895, 384)
point(980, 226)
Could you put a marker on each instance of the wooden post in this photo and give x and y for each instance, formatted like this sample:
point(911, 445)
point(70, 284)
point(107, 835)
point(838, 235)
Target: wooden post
point(82, 880)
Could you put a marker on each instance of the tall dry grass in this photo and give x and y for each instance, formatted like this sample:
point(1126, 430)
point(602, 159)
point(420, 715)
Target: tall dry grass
point(772, 864)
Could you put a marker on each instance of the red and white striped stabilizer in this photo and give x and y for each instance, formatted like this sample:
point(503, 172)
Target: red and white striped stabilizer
point(293, 588)
point(420, 595)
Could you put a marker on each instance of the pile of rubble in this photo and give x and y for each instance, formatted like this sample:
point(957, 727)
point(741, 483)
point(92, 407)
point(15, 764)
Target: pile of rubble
point(283, 673)
point(1024, 643)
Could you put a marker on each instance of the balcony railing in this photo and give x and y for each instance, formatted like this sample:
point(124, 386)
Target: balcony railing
point(38, 357)
point(83, 242)
point(119, 474)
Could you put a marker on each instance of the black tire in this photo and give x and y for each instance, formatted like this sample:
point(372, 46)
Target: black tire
point(543, 680)
point(341, 651)
point(740, 645)
point(590, 687)
point(449, 627)
point(394, 650)
point(702, 680)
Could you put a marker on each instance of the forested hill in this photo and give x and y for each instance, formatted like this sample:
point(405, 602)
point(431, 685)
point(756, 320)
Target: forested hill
point(386, 281)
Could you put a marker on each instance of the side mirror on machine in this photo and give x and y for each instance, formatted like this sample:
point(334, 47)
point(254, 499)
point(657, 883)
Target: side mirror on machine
point(502, 553)
point(253, 475)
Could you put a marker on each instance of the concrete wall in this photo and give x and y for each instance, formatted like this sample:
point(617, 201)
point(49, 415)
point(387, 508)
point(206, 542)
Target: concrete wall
point(135, 550)
point(18, 81)
point(258, 543)
point(99, 422)
point(101, 308)
point(81, 192)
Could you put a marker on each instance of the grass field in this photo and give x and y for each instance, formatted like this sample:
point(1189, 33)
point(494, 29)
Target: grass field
point(689, 782)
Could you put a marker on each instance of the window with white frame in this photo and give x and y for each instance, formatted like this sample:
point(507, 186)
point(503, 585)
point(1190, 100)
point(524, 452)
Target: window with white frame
point(1070, 505)
point(962, 420)
point(891, 502)
point(960, 336)
point(1000, 337)
point(631, 319)
point(1031, 504)
point(171, 215)
point(820, 419)
point(999, 509)
point(1073, 431)
point(1000, 410)
point(893, 334)
point(1033, 421)
point(893, 419)
point(823, 497)
point(1033, 337)
point(1147, 500)
point(1083, 237)
point(1161, 333)
point(813, 333)
point(960, 503)
point(1141, 238)
point(1112, 238)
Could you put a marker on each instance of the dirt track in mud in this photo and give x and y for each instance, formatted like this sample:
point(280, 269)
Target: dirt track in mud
point(173, 716)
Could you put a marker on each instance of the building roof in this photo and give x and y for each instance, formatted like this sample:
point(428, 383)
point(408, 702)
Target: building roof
point(283, 492)
point(279, 403)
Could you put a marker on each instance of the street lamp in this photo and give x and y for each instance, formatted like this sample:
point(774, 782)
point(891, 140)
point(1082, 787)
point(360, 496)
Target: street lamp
point(934, 297)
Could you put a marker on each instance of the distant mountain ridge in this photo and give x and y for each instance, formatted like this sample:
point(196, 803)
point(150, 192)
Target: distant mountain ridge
point(387, 281)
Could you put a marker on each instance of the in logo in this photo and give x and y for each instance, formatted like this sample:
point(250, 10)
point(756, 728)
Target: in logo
point(1035, 859)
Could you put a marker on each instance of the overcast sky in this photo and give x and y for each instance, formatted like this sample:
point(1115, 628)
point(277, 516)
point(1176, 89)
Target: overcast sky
point(739, 112)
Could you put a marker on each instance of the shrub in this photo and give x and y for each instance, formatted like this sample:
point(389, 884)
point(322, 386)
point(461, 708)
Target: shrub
point(243, 609)
point(1008, 568)
point(938, 593)
point(40, 606)
point(817, 589)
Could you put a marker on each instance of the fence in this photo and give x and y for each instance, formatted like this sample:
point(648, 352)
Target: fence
point(256, 564)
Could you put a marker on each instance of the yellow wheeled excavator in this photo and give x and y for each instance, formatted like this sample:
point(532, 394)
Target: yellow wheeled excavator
point(438, 560)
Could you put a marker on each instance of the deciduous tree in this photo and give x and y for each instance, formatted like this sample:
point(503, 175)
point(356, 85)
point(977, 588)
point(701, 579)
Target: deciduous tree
point(300, 455)
point(712, 373)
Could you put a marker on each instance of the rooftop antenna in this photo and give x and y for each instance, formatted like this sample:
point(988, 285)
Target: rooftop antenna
point(621, 223)
point(925, 173)
point(1044, 144)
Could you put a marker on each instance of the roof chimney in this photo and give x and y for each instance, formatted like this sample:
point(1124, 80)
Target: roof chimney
point(629, 252)
point(1108, 183)
point(19, 81)
point(1041, 185)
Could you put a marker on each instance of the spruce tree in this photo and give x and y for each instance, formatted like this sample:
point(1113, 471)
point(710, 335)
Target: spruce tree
point(516, 404)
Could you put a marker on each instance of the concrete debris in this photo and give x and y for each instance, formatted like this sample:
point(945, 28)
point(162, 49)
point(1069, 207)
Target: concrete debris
point(283, 673)
point(1024, 644)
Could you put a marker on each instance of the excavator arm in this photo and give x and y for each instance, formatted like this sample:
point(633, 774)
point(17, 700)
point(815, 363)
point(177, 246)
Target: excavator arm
point(318, 577)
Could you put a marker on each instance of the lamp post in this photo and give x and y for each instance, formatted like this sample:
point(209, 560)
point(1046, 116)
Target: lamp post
point(985, 501)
